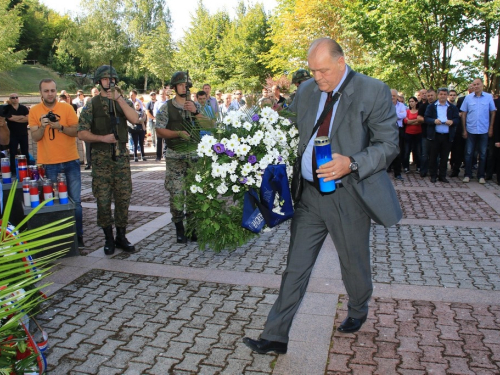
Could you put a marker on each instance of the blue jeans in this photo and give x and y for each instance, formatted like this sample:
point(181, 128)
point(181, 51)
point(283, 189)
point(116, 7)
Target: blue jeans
point(479, 142)
point(73, 178)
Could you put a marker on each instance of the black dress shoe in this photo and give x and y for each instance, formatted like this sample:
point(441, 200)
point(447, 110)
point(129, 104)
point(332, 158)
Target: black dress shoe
point(444, 179)
point(433, 179)
point(454, 174)
point(423, 174)
point(350, 325)
point(265, 346)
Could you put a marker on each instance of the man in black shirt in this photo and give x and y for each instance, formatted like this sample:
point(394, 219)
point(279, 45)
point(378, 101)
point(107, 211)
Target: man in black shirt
point(17, 120)
point(424, 158)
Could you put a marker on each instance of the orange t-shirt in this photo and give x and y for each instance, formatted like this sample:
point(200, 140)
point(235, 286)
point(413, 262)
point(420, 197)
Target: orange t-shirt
point(61, 148)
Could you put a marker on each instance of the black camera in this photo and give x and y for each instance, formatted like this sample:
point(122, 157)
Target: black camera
point(52, 116)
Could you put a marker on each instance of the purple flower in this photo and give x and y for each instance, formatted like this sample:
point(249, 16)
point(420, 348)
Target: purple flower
point(219, 148)
point(280, 159)
point(255, 117)
point(252, 159)
point(243, 180)
point(229, 153)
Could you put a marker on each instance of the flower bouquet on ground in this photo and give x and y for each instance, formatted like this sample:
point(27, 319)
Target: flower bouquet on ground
point(232, 161)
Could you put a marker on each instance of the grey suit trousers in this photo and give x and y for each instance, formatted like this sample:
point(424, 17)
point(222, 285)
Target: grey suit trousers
point(349, 226)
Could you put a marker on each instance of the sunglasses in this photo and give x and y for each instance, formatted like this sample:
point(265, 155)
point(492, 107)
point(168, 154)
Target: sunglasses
point(14, 97)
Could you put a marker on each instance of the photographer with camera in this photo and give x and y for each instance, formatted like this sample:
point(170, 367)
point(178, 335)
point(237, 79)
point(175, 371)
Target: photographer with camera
point(103, 122)
point(53, 127)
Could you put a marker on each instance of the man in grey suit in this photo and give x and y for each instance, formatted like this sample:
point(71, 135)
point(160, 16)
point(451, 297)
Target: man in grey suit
point(364, 137)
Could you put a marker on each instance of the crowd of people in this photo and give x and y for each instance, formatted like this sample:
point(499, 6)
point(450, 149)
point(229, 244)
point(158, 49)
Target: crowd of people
point(441, 132)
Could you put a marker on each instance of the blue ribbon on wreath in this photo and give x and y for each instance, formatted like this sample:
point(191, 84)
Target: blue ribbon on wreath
point(257, 212)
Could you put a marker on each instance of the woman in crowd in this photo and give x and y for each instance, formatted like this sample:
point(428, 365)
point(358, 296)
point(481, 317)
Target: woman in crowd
point(138, 131)
point(412, 136)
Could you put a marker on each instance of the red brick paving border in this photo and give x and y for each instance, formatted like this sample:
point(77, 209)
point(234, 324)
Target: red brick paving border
point(418, 337)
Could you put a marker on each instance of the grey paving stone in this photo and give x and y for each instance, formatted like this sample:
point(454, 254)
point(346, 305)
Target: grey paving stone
point(444, 256)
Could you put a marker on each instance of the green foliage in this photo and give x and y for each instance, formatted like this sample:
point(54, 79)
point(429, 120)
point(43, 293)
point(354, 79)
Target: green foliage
point(245, 38)
point(97, 36)
point(409, 41)
point(217, 221)
point(198, 49)
point(155, 51)
point(10, 29)
point(19, 289)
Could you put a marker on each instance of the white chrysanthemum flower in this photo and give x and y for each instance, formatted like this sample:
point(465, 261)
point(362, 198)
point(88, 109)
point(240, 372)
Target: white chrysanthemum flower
point(200, 190)
point(216, 170)
point(247, 126)
point(233, 177)
point(246, 169)
point(235, 137)
point(243, 149)
point(222, 188)
point(197, 177)
point(194, 189)
point(209, 196)
point(236, 189)
point(286, 122)
point(211, 185)
point(209, 140)
point(232, 144)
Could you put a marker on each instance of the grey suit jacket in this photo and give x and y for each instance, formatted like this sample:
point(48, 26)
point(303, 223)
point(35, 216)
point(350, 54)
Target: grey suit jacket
point(365, 128)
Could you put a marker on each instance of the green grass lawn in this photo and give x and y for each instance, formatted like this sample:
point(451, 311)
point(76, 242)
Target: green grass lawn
point(24, 80)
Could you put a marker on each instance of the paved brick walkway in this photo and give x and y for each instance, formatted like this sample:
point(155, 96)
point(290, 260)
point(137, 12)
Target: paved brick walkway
point(171, 309)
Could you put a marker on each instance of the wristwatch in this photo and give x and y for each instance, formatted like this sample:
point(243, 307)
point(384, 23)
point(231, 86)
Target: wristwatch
point(62, 129)
point(353, 166)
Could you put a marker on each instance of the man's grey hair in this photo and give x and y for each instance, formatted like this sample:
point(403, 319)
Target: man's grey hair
point(334, 48)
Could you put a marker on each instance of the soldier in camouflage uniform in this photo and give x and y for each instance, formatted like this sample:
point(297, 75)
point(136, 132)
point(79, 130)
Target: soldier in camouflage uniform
point(170, 125)
point(298, 77)
point(106, 128)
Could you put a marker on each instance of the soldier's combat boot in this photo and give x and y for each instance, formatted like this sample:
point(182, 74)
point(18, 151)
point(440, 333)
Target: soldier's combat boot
point(109, 245)
point(121, 241)
point(179, 229)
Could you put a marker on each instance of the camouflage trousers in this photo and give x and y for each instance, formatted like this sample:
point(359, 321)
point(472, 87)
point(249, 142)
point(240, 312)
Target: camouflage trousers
point(111, 179)
point(174, 180)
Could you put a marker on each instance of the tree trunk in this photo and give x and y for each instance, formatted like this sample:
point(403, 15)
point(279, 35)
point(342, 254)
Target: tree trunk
point(486, 57)
point(494, 77)
point(146, 82)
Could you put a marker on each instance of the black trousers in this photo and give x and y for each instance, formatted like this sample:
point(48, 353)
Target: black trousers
point(15, 142)
point(440, 146)
point(138, 139)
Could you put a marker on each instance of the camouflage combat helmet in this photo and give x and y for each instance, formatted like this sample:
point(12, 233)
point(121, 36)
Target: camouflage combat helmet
point(103, 72)
point(178, 77)
point(300, 75)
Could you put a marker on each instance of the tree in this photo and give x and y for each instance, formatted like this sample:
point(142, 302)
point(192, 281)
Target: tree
point(410, 42)
point(98, 36)
point(296, 24)
point(147, 22)
point(198, 49)
point(245, 40)
point(155, 52)
point(9, 35)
